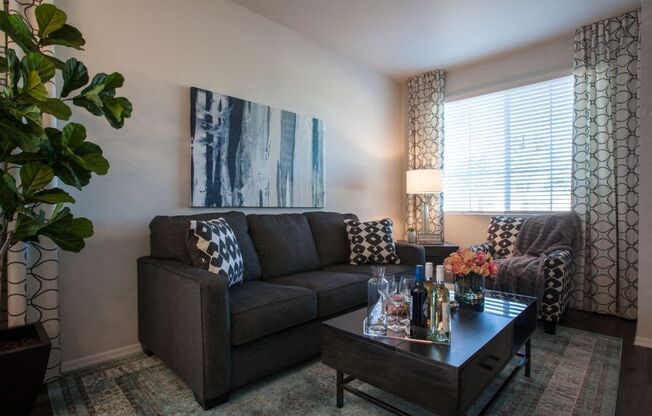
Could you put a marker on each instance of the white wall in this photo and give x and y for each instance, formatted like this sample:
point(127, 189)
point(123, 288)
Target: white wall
point(537, 63)
point(644, 325)
point(163, 47)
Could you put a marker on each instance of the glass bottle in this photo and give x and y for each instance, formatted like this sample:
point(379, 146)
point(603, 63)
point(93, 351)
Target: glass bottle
point(430, 283)
point(376, 296)
point(419, 305)
point(440, 326)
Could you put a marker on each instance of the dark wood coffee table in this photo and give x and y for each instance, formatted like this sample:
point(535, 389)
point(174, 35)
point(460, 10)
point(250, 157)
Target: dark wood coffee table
point(443, 379)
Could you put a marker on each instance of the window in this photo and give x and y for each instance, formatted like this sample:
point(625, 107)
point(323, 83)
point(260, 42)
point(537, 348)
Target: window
point(510, 151)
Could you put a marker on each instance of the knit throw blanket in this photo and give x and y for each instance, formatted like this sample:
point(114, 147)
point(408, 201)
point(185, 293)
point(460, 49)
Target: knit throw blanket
point(539, 236)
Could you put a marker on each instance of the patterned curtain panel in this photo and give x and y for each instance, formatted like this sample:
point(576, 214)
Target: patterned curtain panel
point(425, 144)
point(31, 273)
point(606, 165)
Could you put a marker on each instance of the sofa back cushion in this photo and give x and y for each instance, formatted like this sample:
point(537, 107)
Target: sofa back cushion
point(169, 236)
point(284, 244)
point(330, 236)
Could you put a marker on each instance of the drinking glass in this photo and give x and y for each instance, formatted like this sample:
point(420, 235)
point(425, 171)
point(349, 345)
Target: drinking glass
point(396, 300)
point(376, 299)
point(406, 284)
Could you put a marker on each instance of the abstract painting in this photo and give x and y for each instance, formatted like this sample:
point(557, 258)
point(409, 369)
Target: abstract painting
point(246, 154)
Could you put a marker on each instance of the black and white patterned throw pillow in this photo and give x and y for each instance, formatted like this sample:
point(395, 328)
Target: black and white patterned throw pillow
point(371, 242)
point(217, 249)
point(502, 233)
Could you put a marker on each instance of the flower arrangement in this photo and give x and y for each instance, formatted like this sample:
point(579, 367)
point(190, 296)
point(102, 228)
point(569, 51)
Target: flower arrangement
point(465, 262)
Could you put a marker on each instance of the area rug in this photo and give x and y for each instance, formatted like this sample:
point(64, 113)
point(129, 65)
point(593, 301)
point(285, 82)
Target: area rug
point(573, 373)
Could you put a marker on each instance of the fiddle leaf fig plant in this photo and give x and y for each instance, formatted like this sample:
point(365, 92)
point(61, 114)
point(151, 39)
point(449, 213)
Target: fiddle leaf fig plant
point(40, 153)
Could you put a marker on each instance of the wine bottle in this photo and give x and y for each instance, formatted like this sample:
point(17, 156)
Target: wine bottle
point(429, 284)
point(440, 326)
point(418, 320)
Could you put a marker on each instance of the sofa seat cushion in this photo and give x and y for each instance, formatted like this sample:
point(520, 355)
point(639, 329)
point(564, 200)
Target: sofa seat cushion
point(366, 269)
point(259, 308)
point(336, 292)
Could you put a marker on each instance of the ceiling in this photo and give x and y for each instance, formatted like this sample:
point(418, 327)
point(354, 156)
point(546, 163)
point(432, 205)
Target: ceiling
point(400, 38)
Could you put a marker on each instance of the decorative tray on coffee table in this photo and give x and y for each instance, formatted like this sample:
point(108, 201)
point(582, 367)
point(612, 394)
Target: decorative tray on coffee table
point(402, 335)
point(394, 335)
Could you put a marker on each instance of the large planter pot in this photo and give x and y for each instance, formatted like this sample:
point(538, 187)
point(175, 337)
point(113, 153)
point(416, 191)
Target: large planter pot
point(469, 291)
point(24, 354)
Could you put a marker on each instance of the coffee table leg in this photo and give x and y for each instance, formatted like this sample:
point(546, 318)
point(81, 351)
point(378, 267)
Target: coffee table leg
point(339, 386)
point(528, 357)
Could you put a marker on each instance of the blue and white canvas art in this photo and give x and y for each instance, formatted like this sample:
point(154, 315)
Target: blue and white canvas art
point(246, 154)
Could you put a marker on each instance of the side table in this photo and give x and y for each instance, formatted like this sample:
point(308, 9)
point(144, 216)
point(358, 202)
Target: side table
point(436, 253)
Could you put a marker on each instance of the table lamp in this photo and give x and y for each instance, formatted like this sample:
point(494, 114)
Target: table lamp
point(424, 182)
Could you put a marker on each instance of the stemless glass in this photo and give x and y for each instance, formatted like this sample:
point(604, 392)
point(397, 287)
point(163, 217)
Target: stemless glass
point(396, 301)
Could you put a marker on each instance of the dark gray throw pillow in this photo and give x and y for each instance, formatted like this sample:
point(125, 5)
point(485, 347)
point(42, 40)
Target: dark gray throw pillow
point(213, 246)
point(371, 242)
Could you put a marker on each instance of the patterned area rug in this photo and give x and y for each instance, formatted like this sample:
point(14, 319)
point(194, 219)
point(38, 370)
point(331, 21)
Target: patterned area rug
point(573, 373)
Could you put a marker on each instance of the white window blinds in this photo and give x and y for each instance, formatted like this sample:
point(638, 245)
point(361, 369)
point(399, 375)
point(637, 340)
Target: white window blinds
point(510, 151)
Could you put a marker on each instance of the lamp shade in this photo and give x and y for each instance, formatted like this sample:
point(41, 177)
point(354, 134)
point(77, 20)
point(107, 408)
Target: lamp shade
point(423, 181)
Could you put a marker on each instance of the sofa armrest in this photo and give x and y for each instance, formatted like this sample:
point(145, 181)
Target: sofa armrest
point(183, 318)
point(557, 272)
point(410, 254)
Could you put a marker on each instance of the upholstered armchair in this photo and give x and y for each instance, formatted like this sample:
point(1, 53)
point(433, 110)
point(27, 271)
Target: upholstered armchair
point(503, 233)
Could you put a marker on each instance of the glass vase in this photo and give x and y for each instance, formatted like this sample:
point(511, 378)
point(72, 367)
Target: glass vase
point(469, 291)
point(376, 298)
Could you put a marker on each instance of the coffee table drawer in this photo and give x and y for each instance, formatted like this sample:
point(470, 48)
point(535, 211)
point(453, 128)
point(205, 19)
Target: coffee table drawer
point(484, 366)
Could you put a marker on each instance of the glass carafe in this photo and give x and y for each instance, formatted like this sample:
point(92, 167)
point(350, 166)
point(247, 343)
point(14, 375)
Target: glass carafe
point(376, 298)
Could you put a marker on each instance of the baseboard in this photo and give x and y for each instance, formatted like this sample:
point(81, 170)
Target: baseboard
point(643, 342)
point(72, 365)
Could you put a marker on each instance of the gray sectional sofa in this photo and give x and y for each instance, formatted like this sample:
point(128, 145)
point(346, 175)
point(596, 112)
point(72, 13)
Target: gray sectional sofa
point(218, 338)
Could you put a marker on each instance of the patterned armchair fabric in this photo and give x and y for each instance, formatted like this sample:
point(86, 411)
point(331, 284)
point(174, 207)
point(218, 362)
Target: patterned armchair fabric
point(502, 235)
point(558, 270)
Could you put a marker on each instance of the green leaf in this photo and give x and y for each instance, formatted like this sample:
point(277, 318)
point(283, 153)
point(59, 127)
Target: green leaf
point(52, 196)
point(91, 106)
point(49, 19)
point(96, 163)
point(36, 61)
point(22, 135)
point(88, 148)
point(58, 63)
point(72, 174)
point(66, 36)
point(56, 107)
point(75, 75)
point(68, 232)
point(113, 81)
point(14, 69)
point(73, 135)
point(27, 227)
point(34, 88)
point(8, 194)
point(26, 157)
point(17, 29)
point(116, 110)
point(35, 176)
